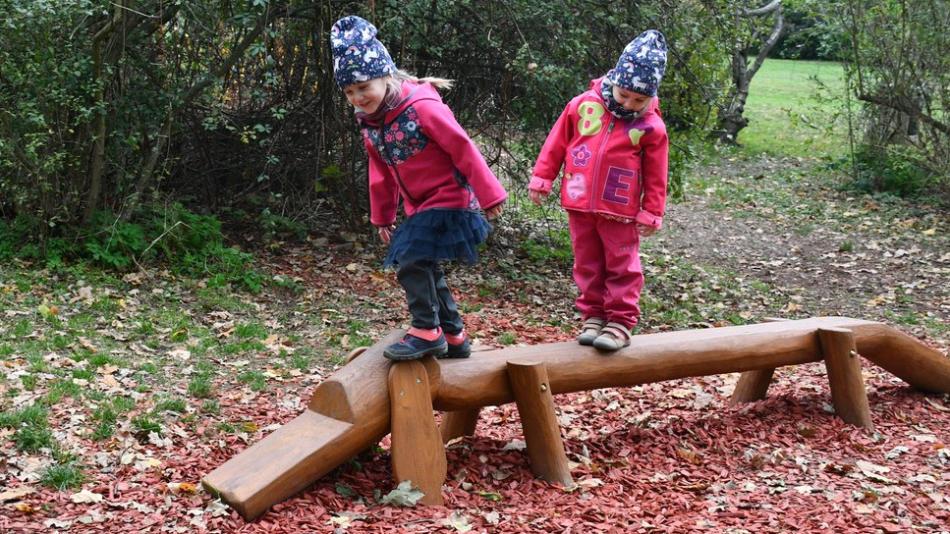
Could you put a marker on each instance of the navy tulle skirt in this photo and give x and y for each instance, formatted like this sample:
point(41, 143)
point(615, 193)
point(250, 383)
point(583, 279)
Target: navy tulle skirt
point(438, 234)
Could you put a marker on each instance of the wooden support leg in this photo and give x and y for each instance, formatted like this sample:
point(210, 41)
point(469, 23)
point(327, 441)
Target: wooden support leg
point(844, 374)
point(529, 383)
point(458, 424)
point(752, 386)
point(417, 451)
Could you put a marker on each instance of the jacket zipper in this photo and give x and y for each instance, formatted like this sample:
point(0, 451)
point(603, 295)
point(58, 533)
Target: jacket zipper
point(600, 157)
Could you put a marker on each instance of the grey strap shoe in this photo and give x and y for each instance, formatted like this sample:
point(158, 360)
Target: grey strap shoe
point(613, 336)
point(590, 330)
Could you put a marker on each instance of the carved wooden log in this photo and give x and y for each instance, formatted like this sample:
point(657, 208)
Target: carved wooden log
point(542, 435)
point(350, 411)
point(672, 355)
point(417, 451)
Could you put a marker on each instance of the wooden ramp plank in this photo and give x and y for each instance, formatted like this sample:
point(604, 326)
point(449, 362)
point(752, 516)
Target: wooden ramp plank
point(280, 465)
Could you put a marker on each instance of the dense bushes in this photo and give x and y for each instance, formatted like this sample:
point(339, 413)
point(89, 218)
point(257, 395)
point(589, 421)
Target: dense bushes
point(899, 68)
point(810, 33)
point(231, 107)
point(188, 243)
point(218, 102)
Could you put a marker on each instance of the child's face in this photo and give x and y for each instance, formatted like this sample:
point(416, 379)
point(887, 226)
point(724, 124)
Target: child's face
point(366, 96)
point(631, 100)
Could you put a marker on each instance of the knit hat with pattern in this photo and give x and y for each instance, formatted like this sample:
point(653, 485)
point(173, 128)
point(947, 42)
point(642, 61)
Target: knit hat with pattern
point(642, 64)
point(357, 55)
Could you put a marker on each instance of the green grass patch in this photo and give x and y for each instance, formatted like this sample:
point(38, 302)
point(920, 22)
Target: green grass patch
point(254, 380)
point(31, 426)
point(211, 406)
point(106, 418)
point(219, 298)
point(31, 438)
point(684, 295)
point(144, 425)
point(242, 346)
point(63, 476)
point(61, 388)
point(556, 248)
point(171, 405)
point(22, 328)
point(302, 358)
point(250, 331)
point(507, 338)
point(795, 109)
point(357, 332)
point(200, 387)
point(29, 382)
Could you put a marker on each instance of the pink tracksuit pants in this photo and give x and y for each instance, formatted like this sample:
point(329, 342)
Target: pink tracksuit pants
point(606, 267)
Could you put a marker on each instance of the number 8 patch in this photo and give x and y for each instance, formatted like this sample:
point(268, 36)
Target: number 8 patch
point(589, 123)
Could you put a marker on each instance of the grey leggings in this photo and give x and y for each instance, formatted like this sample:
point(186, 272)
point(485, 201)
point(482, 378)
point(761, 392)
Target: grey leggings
point(430, 301)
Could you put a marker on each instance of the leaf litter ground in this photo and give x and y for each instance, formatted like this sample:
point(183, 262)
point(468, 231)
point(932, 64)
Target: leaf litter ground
point(668, 457)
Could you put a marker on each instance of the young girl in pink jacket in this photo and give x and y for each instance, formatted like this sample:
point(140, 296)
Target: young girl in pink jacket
point(612, 143)
point(420, 155)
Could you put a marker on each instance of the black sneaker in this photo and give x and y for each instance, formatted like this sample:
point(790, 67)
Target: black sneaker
point(462, 350)
point(415, 348)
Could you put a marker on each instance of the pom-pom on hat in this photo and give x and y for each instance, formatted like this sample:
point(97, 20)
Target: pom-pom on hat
point(357, 55)
point(642, 64)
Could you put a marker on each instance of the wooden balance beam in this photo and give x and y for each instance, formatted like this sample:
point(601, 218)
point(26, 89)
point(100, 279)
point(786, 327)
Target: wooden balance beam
point(352, 410)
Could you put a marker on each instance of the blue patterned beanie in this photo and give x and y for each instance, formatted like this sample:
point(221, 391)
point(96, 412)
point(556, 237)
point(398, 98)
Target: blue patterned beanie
point(357, 55)
point(642, 64)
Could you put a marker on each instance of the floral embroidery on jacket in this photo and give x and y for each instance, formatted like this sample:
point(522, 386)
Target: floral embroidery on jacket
point(399, 140)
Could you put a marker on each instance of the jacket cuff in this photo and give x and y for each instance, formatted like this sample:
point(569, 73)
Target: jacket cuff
point(648, 219)
point(377, 223)
point(540, 184)
point(495, 203)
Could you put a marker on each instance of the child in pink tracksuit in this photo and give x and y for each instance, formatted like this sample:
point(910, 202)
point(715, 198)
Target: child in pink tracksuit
point(417, 153)
point(613, 146)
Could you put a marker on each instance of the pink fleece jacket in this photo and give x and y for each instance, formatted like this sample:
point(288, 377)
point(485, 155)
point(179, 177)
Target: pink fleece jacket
point(421, 152)
point(611, 166)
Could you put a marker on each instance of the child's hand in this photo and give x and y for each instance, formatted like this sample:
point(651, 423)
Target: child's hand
point(385, 232)
point(493, 211)
point(645, 231)
point(536, 196)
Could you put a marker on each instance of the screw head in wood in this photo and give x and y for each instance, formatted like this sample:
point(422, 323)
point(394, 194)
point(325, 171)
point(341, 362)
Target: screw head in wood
point(544, 387)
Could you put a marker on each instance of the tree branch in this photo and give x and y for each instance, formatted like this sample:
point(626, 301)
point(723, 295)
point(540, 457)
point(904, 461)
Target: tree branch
point(902, 105)
point(764, 10)
point(767, 46)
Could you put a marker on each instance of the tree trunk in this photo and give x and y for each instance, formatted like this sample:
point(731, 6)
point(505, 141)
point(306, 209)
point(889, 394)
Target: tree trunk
point(732, 119)
point(97, 160)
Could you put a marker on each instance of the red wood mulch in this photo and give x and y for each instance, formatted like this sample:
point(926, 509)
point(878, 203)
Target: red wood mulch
point(670, 457)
